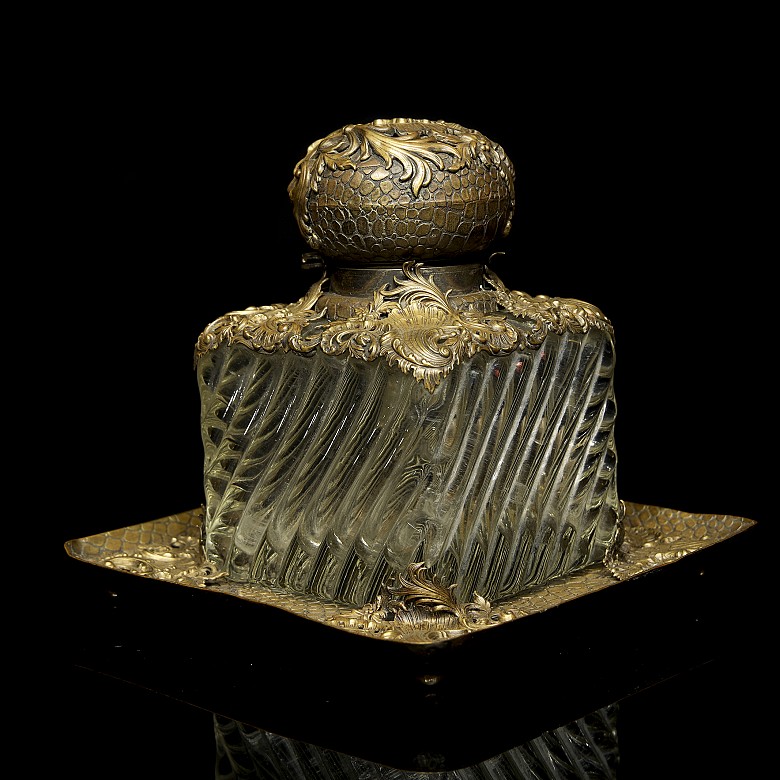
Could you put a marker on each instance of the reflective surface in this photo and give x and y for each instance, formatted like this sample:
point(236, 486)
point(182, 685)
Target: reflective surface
point(652, 174)
point(455, 441)
point(702, 724)
point(148, 666)
point(585, 748)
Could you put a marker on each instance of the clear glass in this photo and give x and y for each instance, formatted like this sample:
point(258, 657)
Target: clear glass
point(326, 475)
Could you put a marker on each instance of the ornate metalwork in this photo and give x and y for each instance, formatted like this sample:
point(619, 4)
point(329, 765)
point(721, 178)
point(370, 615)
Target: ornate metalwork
point(181, 561)
point(267, 328)
point(414, 608)
point(418, 605)
point(550, 315)
point(403, 187)
point(413, 325)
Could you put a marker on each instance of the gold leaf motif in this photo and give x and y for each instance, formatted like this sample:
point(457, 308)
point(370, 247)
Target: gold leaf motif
point(267, 328)
point(412, 325)
point(415, 328)
point(415, 590)
point(550, 314)
point(180, 561)
point(417, 146)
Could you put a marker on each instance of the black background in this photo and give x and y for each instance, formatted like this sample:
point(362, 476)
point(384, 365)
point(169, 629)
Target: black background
point(640, 168)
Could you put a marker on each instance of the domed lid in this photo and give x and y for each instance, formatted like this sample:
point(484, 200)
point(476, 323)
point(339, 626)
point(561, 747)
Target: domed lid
point(399, 190)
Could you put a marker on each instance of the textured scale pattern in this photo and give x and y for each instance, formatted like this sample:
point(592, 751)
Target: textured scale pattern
point(369, 211)
point(586, 749)
point(326, 475)
point(403, 189)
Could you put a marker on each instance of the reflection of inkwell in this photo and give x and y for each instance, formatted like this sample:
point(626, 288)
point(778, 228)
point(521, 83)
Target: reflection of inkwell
point(586, 748)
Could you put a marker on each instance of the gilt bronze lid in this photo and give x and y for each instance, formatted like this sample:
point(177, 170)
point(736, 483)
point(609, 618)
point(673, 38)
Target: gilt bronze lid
point(395, 190)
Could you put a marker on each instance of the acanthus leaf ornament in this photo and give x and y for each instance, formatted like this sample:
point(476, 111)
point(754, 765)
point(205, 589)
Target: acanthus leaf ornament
point(417, 607)
point(400, 188)
point(412, 325)
point(267, 328)
point(549, 314)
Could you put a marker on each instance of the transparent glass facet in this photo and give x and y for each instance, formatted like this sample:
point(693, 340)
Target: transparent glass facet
point(327, 475)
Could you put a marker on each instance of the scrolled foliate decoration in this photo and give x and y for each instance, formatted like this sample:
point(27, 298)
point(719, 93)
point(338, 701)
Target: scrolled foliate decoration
point(412, 325)
point(267, 328)
point(393, 187)
point(419, 145)
point(417, 606)
point(550, 315)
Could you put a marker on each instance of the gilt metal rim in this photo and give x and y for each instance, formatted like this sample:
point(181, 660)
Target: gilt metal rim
point(413, 609)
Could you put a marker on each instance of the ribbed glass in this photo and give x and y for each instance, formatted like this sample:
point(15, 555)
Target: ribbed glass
point(325, 475)
point(586, 749)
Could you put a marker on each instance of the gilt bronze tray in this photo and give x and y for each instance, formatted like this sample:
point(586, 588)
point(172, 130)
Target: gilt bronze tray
point(410, 690)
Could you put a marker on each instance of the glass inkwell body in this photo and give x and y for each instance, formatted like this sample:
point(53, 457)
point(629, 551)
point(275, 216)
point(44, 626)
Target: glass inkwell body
point(410, 437)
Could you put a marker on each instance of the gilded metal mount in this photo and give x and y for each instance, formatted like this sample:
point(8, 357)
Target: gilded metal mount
point(414, 607)
point(399, 189)
point(412, 324)
point(401, 213)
